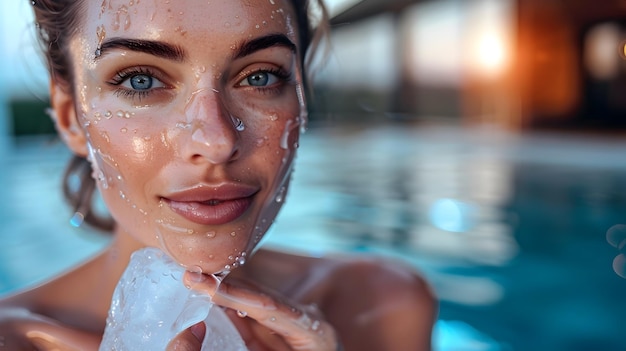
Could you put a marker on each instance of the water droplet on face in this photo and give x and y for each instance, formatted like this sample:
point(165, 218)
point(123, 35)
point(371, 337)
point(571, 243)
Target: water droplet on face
point(280, 197)
point(233, 234)
point(242, 314)
point(127, 23)
point(210, 234)
point(101, 34)
point(239, 125)
point(108, 114)
point(316, 325)
point(102, 180)
point(181, 125)
point(290, 126)
point(124, 130)
point(105, 136)
point(116, 23)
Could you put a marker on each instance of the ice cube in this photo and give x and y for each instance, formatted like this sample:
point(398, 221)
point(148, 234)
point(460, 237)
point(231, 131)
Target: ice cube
point(151, 305)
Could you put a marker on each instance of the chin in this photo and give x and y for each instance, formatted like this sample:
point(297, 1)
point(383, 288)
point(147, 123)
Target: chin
point(209, 256)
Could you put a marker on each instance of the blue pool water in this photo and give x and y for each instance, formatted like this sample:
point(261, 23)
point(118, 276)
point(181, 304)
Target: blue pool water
point(510, 229)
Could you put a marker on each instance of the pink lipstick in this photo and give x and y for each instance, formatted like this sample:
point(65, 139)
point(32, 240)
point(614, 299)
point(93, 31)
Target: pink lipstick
point(212, 205)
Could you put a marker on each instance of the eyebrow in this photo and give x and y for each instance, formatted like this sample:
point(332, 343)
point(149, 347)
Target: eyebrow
point(176, 53)
point(151, 47)
point(264, 42)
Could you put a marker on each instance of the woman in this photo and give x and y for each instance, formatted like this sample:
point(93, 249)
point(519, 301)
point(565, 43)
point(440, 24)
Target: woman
point(189, 114)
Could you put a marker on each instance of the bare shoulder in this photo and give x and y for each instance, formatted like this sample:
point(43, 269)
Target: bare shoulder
point(25, 330)
point(383, 277)
point(381, 304)
point(54, 315)
point(374, 303)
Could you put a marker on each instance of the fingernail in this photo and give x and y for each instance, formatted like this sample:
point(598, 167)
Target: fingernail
point(196, 277)
point(198, 330)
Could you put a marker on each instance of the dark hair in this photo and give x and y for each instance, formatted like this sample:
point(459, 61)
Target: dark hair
point(57, 21)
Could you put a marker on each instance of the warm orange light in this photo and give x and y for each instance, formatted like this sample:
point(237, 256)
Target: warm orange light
point(489, 56)
point(488, 37)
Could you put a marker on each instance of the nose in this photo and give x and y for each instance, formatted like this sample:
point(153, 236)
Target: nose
point(214, 137)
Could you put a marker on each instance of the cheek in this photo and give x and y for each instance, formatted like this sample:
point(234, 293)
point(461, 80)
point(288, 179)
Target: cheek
point(274, 123)
point(123, 145)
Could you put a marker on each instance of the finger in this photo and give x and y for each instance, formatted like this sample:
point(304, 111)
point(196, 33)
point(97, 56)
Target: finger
point(302, 327)
point(189, 340)
point(256, 336)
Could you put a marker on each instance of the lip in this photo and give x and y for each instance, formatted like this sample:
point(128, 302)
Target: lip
point(212, 204)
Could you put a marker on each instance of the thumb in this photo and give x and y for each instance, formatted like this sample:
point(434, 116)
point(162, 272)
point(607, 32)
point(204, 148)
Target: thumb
point(189, 340)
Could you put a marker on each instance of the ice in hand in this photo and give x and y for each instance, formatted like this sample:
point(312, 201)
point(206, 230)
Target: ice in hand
point(151, 305)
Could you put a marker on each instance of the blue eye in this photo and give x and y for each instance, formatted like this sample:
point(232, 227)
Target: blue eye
point(260, 79)
point(141, 82)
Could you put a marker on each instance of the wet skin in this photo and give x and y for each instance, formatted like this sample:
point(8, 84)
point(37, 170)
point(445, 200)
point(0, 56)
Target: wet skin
point(184, 126)
point(190, 116)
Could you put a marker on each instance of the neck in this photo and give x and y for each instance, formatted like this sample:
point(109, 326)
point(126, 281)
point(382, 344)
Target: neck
point(118, 254)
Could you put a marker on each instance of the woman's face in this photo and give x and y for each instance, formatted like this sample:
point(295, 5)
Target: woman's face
point(192, 112)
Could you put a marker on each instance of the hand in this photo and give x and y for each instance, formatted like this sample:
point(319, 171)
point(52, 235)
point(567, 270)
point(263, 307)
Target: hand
point(265, 322)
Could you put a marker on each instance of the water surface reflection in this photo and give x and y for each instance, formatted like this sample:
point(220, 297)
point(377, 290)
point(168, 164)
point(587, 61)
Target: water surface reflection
point(510, 229)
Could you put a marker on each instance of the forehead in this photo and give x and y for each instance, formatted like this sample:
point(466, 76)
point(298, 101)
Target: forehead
point(198, 20)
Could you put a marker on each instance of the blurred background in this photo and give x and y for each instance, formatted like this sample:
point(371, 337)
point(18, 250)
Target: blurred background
point(481, 141)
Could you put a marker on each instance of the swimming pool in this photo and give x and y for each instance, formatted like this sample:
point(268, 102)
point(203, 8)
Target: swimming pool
point(510, 229)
